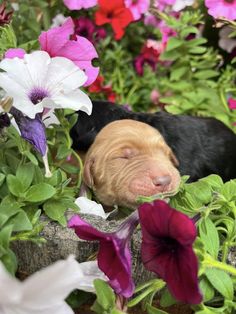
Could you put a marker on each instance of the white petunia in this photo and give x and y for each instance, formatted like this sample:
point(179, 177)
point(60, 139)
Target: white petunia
point(38, 81)
point(90, 207)
point(181, 4)
point(44, 292)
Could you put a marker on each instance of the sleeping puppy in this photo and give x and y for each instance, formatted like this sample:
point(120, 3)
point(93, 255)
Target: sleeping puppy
point(203, 146)
point(129, 158)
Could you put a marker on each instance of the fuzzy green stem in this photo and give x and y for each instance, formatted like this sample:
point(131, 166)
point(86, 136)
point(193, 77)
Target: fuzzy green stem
point(81, 166)
point(210, 262)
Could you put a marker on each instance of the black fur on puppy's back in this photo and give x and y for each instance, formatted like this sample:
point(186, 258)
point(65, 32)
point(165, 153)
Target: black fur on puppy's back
point(202, 145)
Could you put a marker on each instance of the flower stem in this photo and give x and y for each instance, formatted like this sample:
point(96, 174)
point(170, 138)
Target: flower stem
point(210, 262)
point(81, 168)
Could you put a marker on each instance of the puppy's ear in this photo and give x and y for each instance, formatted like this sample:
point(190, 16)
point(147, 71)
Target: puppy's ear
point(173, 158)
point(87, 174)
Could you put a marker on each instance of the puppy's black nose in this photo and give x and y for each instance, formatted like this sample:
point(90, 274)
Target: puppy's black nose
point(162, 181)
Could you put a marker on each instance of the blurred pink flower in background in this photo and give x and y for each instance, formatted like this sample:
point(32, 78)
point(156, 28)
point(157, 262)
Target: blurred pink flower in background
point(85, 27)
point(79, 4)
point(150, 54)
point(137, 7)
point(222, 8)
point(232, 103)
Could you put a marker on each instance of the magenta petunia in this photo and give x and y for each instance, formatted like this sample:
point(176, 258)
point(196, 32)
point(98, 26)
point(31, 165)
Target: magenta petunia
point(114, 256)
point(57, 42)
point(232, 103)
point(138, 7)
point(79, 4)
point(222, 8)
point(15, 52)
point(168, 236)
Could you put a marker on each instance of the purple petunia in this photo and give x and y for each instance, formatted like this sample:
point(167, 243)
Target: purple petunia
point(114, 256)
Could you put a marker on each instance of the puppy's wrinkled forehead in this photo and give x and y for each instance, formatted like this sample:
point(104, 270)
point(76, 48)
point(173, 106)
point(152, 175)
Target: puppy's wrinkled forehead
point(131, 130)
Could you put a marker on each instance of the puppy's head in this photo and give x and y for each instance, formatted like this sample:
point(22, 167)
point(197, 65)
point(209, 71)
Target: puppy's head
point(127, 159)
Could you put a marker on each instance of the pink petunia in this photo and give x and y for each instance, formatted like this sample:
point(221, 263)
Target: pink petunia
point(138, 7)
point(79, 4)
point(232, 103)
point(57, 42)
point(222, 8)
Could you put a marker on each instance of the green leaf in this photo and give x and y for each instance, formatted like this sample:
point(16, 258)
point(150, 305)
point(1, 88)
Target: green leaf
point(31, 157)
point(55, 209)
point(209, 236)
point(20, 222)
point(105, 295)
point(39, 192)
point(205, 74)
point(189, 30)
point(221, 281)
point(229, 190)
point(2, 178)
point(206, 289)
point(167, 299)
point(14, 185)
point(174, 43)
point(63, 152)
point(176, 74)
point(25, 174)
point(214, 181)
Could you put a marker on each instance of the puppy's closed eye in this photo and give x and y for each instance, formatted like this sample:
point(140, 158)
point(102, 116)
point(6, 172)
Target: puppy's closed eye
point(126, 153)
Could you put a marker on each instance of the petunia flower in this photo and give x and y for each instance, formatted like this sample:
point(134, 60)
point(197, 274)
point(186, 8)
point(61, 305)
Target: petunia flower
point(90, 207)
point(150, 54)
point(181, 4)
point(57, 42)
point(44, 292)
point(86, 28)
point(232, 103)
point(99, 87)
point(114, 13)
point(5, 17)
point(222, 8)
point(114, 256)
point(163, 4)
point(167, 239)
point(137, 7)
point(79, 4)
point(38, 81)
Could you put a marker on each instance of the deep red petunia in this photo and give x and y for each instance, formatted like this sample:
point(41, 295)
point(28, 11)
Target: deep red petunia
point(5, 17)
point(114, 13)
point(168, 236)
point(114, 256)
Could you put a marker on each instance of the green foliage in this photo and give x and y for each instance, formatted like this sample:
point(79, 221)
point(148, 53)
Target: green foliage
point(106, 299)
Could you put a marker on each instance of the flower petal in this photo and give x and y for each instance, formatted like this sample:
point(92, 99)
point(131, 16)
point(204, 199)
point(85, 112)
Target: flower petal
point(55, 38)
point(15, 52)
point(51, 285)
point(90, 207)
point(84, 230)
point(8, 283)
point(81, 52)
point(76, 100)
point(79, 4)
point(91, 272)
point(65, 73)
point(20, 99)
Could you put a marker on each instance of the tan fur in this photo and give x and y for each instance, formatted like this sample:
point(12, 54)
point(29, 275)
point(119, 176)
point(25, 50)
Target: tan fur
point(126, 160)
